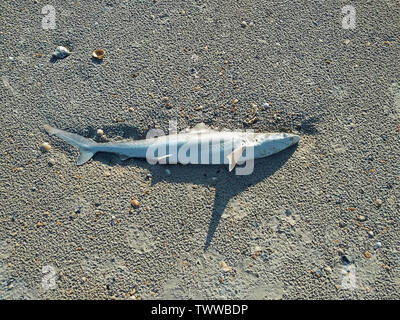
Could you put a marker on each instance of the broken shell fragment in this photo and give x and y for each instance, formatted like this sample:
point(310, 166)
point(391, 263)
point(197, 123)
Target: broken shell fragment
point(98, 54)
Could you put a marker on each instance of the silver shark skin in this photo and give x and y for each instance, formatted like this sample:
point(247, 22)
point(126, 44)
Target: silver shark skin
point(199, 145)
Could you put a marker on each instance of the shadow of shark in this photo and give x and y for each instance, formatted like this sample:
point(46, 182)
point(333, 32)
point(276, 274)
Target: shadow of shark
point(227, 185)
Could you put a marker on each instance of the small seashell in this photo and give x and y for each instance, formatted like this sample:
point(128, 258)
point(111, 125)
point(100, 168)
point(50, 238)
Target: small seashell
point(61, 52)
point(45, 147)
point(100, 132)
point(135, 203)
point(98, 54)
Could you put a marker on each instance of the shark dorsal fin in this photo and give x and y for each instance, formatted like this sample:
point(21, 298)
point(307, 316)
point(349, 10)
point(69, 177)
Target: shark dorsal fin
point(234, 156)
point(200, 127)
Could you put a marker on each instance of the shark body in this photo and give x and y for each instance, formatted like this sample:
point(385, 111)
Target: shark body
point(199, 145)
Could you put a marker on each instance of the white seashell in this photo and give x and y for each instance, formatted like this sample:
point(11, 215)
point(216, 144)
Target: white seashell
point(61, 52)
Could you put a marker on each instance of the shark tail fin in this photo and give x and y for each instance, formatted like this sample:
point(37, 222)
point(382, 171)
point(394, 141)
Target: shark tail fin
point(86, 146)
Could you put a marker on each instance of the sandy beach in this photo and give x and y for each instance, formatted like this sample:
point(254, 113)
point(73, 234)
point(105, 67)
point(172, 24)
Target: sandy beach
point(319, 220)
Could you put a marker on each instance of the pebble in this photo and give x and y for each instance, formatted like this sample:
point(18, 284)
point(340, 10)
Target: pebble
point(377, 245)
point(265, 105)
point(257, 251)
point(370, 233)
point(10, 58)
point(149, 176)
point(243, 24)
point(288, 212)
point(378, 203)
point(51, 162)
point(361, 218)
point(328, 269)
point(347, 41)
point(61, 52)
point(367, 254)
point(130, 109)
point(318, 273)
point(167, 172)
point(340, 251)
point(345, 260)
point(100, 132)
point(45, 147)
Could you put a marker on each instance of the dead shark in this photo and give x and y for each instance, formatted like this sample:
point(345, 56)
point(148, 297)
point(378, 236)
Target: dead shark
point(198, 145)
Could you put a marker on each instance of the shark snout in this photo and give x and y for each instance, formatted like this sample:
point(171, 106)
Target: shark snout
point(294, 139)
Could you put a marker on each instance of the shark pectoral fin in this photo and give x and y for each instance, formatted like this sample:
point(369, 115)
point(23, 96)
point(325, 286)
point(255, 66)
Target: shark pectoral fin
point(84, 156)
point(234, 157)
point(164, 157)
point(159, 159)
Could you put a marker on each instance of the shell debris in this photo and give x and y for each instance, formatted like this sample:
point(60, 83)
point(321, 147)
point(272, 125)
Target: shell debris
point(224, 266)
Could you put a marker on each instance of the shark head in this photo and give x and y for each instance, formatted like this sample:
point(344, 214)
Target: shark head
point(266, 144)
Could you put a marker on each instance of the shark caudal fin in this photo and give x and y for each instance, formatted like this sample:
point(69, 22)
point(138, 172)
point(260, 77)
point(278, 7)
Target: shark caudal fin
point(86, 146)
